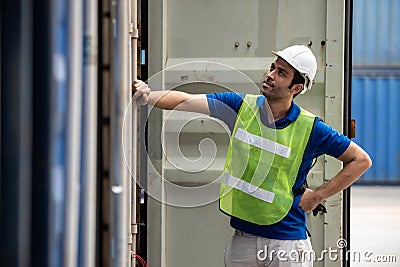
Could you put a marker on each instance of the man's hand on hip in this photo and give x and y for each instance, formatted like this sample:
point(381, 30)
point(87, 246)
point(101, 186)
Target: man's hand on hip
point(309, 200)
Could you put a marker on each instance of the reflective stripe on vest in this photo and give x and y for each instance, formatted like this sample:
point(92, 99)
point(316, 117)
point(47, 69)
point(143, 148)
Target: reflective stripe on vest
point(262, 143)
point(262, 165)
point(248, 188)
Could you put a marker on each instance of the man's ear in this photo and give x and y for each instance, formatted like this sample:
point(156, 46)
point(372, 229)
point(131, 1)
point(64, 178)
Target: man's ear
point(297, 88)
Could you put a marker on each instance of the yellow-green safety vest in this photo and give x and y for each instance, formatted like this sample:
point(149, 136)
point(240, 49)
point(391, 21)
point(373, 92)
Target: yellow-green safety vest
point(262, 165)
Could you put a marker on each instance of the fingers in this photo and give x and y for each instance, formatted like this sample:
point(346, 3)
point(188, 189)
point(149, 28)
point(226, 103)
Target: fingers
point(140, 88)
point(141, 92)
point(307, 201)
point(139, 85)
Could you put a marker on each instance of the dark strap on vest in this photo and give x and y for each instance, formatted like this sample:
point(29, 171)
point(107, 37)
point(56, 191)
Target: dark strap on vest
point(300, 190)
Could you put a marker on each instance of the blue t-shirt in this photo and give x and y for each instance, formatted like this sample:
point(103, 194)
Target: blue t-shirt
point(324, 140)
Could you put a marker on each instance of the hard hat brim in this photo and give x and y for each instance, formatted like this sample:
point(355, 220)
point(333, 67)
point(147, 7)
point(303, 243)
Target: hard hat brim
point(278, 54)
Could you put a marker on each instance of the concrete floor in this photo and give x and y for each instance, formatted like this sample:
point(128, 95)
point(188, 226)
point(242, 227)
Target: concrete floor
point(375, 225)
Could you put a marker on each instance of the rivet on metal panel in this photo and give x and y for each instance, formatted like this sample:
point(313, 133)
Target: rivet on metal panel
point(237, 44)
point(323, 42)
point(249, 44)
point(309, 43)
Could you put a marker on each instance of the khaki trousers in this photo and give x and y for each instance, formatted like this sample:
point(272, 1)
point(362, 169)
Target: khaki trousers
point(249, 250)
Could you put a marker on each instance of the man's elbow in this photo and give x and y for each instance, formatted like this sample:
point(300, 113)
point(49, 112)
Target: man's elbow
point(365, 161)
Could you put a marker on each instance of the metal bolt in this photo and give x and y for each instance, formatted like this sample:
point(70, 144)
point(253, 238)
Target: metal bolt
point(237, 44)
point(309, 43)
point(249, 44)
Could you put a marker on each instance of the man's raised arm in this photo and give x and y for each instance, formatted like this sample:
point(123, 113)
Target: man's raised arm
point(176, 100)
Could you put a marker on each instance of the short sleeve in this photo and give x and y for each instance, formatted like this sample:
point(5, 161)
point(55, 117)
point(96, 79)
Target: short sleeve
point(225, 106)
point(326, 140)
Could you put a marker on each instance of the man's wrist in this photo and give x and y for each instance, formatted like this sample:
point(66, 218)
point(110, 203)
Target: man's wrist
point(319, 195)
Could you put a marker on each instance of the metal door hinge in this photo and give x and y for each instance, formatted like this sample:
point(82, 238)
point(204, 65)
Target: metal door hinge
point(353, 129)
point(134, 31)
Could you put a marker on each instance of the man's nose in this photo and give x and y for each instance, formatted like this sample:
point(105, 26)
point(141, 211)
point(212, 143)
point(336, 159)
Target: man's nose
point(270, 75)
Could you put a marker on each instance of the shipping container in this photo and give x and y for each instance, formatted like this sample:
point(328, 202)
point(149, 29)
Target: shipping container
point(376, 110)
point(376, 86)
point(376, 33)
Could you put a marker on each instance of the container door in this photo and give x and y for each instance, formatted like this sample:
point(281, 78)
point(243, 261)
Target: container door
point(224, 45)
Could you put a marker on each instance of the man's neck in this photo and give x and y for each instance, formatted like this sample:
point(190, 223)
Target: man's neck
point(279, 108)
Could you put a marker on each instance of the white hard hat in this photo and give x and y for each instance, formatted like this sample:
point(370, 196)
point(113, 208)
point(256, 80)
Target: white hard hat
point(302, 59)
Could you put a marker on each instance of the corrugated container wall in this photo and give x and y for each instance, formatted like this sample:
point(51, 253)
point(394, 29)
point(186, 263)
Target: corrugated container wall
point(376, 86)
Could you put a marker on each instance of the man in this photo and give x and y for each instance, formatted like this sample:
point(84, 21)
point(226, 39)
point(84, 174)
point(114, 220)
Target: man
point(266, 196)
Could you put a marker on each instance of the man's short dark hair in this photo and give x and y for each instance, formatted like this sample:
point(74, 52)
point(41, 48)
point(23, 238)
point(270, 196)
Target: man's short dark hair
point(297, 79)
